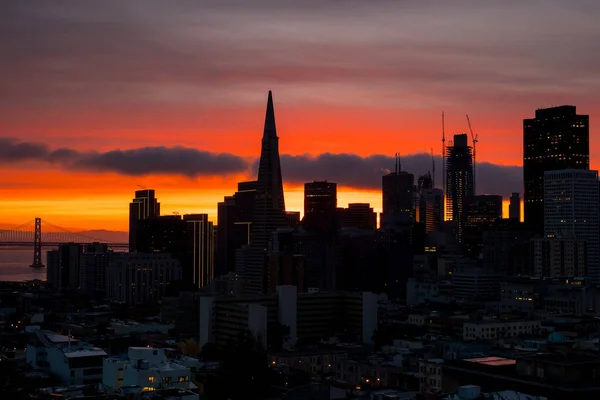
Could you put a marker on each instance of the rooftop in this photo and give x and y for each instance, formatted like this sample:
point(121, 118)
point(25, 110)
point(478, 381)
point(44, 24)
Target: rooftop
point(492, 361)
point(86, 353)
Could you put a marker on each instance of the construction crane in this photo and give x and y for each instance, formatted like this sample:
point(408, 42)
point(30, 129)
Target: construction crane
point(433, 169)
point(475, 139)
point(443, 154)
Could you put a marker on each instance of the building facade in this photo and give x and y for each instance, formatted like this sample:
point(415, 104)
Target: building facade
point(143, 206)
point(557, 138)
point(320, 206)
point(459, 181)
point(571, 208)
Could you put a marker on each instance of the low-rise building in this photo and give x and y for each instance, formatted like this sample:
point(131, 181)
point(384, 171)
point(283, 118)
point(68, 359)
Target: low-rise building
point(145, 367)
point(495, 329)
point(73, 361)
point(311, 361)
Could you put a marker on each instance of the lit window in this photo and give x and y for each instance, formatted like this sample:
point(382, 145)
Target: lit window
point(151, 379)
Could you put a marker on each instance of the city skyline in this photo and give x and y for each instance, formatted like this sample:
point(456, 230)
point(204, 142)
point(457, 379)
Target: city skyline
point(91, 100)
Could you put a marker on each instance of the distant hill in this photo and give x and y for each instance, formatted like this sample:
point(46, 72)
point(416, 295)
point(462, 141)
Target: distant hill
point(109, 236)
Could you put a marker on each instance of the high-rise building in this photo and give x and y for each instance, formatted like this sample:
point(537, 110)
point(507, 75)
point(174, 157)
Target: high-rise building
point(571, 209)
point(320, 206)
point(143, 206)
point(558, 257)
point(398, 198)
point(431, 209)
point(269, 208)
point(235, 215)
point(200, 249)
point(459, 181)
point(514, 207)
point(163, 234)
point(138, 278)
point(481, 212)
point(357, 215)
point(62, 272)
point(557, 138)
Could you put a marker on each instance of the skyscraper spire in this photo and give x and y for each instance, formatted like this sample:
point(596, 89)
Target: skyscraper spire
point(270, 130)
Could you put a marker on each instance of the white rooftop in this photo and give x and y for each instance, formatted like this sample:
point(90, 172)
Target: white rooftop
point(56, 338)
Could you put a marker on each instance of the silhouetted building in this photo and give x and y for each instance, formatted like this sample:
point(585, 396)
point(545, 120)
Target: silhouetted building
point(269, 209)
point(558, 256)
point(431, 209)
point(398, 197)
point(425, 182)
point(571, 208)
point(164, 234)
point(293, 218)
point(143, 206)
point(320, 206)
point(514, 207)
point(138, 278)
point(357, 215)
point(200, 249)
point(481, 213)
point(235, 215)
point(557, 138)
point(62, 271)
point(286, 265)
point(459, 181)
point(93, 266)
point(506, 248)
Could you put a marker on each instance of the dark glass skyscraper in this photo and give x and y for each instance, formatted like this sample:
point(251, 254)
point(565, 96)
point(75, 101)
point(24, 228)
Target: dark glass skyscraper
point(398, 198)
point(320, 206)
point(459, 180)
point(143, 206)
point(269, 208)
point(557, 138)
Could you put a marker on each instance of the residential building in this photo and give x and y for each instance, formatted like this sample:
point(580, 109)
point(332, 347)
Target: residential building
point(145, 367)
point(496, 329)
point(557, 138)
point(74, 362)
point(558, 256)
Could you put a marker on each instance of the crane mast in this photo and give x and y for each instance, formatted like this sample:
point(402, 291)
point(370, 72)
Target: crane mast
point(475, 140)
point(443, 155)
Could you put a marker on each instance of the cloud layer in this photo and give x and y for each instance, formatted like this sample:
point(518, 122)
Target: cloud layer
point(349, 170)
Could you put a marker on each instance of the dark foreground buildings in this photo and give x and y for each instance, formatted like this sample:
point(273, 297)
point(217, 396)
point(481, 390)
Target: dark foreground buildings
point(557, 138)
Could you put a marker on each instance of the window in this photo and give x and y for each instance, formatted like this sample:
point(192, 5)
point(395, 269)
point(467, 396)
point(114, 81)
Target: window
point(151, 379)
point(183, 378)
point(167, 379)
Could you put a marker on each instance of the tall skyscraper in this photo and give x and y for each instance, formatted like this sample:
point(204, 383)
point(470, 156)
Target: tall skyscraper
point(398, 197)
point(431, 209)
point(320, 206)
point(200, 248)
point(459, 180)
point(571, 209)
point(269, 207)
point(557, 138)
point(514, 207)
point(143, 206)
point(481, 212)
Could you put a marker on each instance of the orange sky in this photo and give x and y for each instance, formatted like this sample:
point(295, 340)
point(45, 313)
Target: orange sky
point(99, 76)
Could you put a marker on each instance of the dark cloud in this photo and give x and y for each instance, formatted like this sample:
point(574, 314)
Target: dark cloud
point(365, 172)
point(163, 160)
point(135, 162)
point(348, 170)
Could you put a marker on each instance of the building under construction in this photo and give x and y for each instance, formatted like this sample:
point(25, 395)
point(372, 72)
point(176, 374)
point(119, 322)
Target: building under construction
point(459, 180)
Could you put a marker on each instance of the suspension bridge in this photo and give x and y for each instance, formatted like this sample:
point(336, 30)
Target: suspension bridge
point(39, 233)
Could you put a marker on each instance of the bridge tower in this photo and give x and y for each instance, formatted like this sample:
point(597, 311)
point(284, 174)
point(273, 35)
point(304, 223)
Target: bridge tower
point(37, 245)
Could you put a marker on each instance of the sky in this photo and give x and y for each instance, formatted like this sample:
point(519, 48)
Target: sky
point(100, 97)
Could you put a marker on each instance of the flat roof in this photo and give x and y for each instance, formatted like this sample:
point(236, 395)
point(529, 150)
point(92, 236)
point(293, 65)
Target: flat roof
point(86, 353)
point(56, 338)
point(492, 361)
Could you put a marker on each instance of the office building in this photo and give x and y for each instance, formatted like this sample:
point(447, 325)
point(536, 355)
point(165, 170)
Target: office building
point(93, 265)
point(514, 207)
point(320, 206)
point(357, 215)
point(269, 207)
point(506, 248)
point(200, 250)
point(571, 209)
point(558, 256)
point(144, 205)
point(137, 278)
point(431, 209)
point(234, 218)
point(557, 138)
point(62, 272)
point(292, 218)
point(481, 212)
point(459, 181)
point(398, 198)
